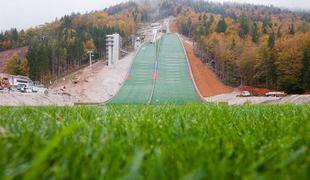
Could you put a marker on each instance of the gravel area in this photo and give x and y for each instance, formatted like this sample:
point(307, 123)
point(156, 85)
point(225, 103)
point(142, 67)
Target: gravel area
point(232, 99)
point(98, 83)
point(34, 99)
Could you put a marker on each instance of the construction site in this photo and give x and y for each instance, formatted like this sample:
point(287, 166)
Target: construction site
point(162, 69)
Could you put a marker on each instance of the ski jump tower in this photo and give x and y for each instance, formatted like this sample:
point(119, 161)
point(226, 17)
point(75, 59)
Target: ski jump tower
point(114, 42)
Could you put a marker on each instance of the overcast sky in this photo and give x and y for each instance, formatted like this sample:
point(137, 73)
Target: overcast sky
point(29, 13)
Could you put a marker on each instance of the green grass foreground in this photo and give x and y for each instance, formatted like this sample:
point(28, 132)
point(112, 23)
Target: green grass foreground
point(155, 142)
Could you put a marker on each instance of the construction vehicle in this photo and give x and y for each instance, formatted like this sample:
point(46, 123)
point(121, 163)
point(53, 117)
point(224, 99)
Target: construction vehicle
point(4, 83)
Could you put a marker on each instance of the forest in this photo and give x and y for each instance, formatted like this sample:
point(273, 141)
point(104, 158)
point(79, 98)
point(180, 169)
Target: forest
point(248, 44)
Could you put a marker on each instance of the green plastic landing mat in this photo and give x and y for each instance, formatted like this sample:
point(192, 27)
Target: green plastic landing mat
point(138, 86)
point(173, 84)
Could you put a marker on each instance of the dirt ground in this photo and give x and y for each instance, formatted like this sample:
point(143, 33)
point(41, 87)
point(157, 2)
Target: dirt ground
point(206, 80)
point(96, 84)
point(34, 99)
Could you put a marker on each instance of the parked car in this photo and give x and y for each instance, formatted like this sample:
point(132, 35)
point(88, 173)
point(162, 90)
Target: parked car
point(39, 88)
point(275, 94)
point(21, 87)
point(245, 94)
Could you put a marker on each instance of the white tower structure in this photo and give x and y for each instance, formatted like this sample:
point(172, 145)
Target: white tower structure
point(114, 42)
point(116, 47)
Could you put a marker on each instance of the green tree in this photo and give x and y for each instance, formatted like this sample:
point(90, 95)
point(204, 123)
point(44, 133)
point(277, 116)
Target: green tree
point(306, 64)
point(265, 69)
point(266, 24)
point(221, 26)
point(255, 36)
point(244, 26)
point(231, 70)
point(189, 25)
point(271, 40)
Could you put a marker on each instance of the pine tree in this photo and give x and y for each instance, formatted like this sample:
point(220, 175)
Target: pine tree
point(1, 36)
point(266, 24)
point(306, 64)
point(14, 34)
point(221, 26)
point(188, 26)
point(255, 36)
point(271, 40)
point(244, 26)
point(265, 68)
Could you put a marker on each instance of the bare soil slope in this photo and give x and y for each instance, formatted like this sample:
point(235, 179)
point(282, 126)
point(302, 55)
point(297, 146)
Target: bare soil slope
point(207, 81)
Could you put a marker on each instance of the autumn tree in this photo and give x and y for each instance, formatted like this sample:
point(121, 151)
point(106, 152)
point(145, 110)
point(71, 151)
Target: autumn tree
point(247, 65)
point(17, 66)
point(289, 64)
point(88, 45)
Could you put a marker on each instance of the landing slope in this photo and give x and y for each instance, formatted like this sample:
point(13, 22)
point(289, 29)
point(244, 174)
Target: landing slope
point(174, 84)
point(208, 83)
point(137, 88)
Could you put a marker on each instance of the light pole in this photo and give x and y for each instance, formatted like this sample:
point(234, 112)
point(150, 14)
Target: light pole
point(91, 54)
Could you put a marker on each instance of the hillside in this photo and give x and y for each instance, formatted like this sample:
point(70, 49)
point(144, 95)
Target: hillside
point(56, 48)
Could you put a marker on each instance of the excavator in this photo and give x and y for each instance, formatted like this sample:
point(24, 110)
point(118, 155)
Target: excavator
point(4, 84)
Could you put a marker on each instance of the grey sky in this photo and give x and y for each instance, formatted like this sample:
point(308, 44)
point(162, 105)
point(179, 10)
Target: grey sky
point(292, 4)
point(28, 13)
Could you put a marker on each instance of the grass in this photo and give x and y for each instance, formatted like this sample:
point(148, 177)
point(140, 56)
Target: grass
point(155, 142)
